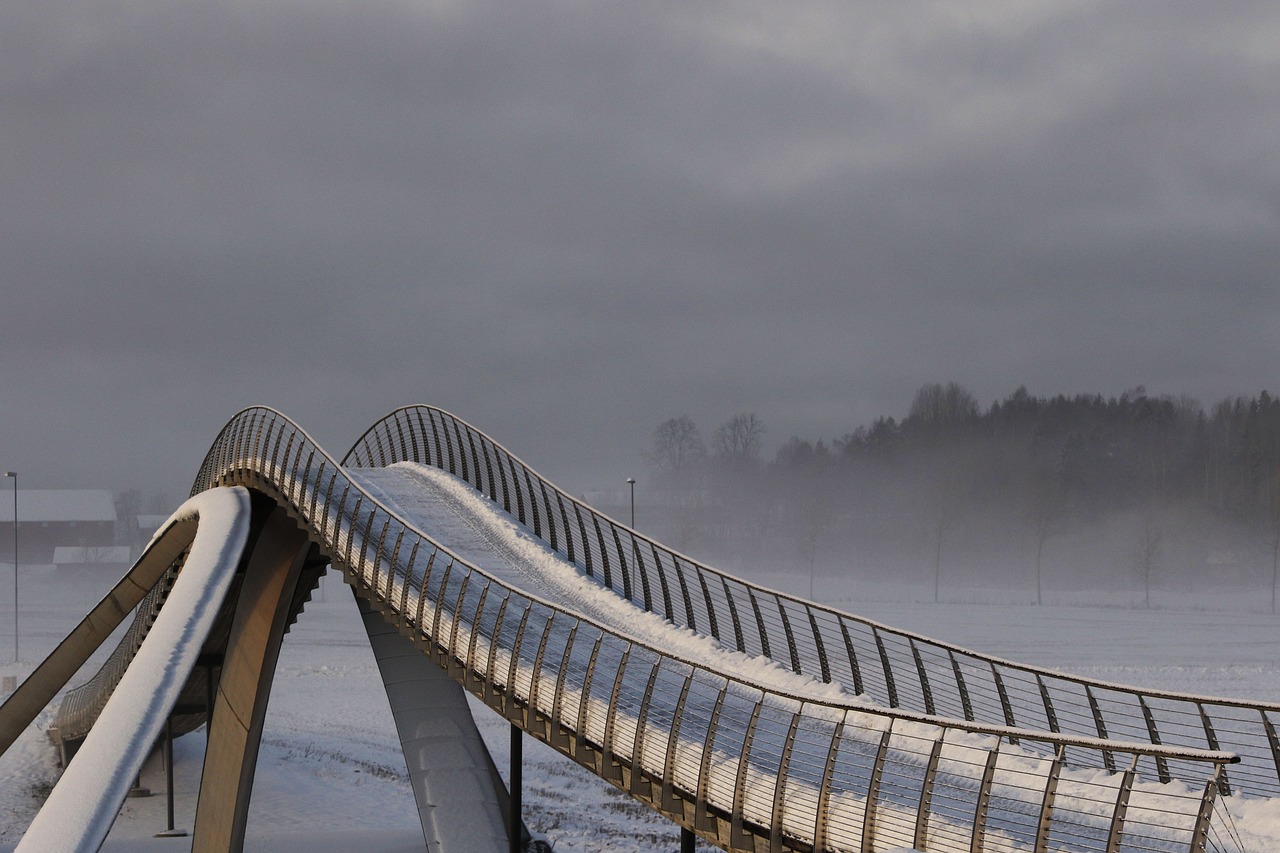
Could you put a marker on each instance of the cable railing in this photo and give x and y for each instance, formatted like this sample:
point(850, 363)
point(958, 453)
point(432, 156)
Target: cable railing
point(739, 760)
point(81, 706)
point(893, 668)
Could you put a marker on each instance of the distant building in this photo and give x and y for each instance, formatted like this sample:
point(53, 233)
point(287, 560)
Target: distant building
point(92, 557)
point(48, 518)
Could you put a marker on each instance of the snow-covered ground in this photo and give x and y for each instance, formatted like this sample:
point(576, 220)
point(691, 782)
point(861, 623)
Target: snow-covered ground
point(330, 775)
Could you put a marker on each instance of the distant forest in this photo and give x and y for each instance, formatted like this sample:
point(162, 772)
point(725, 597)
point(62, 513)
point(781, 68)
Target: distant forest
point(1045, 495)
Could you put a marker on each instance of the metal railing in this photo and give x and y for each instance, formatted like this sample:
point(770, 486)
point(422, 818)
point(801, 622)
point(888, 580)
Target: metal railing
point(745, 764)
point(893, 668)
point(81, 706)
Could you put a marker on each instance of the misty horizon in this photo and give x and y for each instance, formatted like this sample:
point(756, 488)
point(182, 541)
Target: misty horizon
point(566, 224)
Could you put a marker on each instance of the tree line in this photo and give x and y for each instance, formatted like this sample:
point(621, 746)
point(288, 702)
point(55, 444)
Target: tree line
point(1146, 489)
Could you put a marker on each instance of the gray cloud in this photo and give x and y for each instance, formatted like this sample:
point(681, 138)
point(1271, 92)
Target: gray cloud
point(567, 222)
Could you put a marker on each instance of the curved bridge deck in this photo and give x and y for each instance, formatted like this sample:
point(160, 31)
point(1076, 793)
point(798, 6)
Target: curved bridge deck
point(756, 720)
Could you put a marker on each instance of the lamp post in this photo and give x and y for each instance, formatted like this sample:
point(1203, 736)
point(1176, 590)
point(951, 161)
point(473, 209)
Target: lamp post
point(631, 481)
point(14, 475)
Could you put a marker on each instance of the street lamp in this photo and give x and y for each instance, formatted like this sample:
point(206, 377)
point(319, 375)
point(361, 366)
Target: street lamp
point(631, 481)
point(14, 475)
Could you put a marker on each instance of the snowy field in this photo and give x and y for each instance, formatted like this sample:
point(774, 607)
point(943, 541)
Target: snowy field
point(330, 775)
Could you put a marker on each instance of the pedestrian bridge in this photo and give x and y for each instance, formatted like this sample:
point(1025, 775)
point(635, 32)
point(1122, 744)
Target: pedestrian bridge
point(752, 719)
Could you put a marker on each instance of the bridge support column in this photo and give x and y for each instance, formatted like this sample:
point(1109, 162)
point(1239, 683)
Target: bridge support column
point(455, 782)
point(169, 831)
point(687, 840)
point(235, 732)
point(515, 820)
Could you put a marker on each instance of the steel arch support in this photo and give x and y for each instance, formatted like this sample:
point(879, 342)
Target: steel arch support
point(462, 801)
point(235, 732)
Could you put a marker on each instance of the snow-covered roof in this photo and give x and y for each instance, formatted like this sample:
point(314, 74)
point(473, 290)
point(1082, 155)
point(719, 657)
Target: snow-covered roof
point(58, 505)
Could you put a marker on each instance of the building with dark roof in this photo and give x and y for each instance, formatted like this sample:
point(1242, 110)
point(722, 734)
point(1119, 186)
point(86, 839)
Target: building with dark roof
point(49, 518)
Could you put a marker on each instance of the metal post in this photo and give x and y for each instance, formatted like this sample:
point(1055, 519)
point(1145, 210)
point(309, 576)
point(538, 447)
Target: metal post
point(169, 831)
point(873, 790)
point(631, 481)
point(14, 475)
point(1121, 810)
point(687, 840)
point(515, 824)
point(168, 772)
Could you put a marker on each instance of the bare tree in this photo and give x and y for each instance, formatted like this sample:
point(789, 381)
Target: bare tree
point(738, 440)
point(948, 489)
point(1273, 522)
point(676, 446)
point(1147, 554)
point(1042, 514)
point(936, 405)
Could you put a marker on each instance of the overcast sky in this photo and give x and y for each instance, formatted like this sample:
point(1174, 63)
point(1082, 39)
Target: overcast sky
point(566, 222)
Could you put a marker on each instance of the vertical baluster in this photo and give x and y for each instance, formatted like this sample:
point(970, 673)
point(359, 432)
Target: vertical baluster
point(557, 724)
point(1004, 701)
point(889, 684)
point(669, 763)
point(784, 766)
point(1272, 740)
point(965, 704)
point(513, 665)
point(925, 691)
point(764, 634)
point(984, 801)
point(1162, 765)
point(736, 829)
point(791, 637)
point(1200, 833)
point(854, 669)
point(1121, 809)
point(394, 561)
point(873, 790)
point(702, 816)
point(824, 789)
point(1108, 760)
point(1049, 713)
point(1046, 802)
point(690, 621)
point(580, 736)
point(667, 608)
point(926, 791)
point(459, 602)
point(535, 679)
point(706, 597)
point(586, 547)
point(1211, 738)
point(423, 594)
point(491, 666)
point(819, 645)
point(638, 787)
point(733, 615)
point(607, 768)
point(435, 616)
